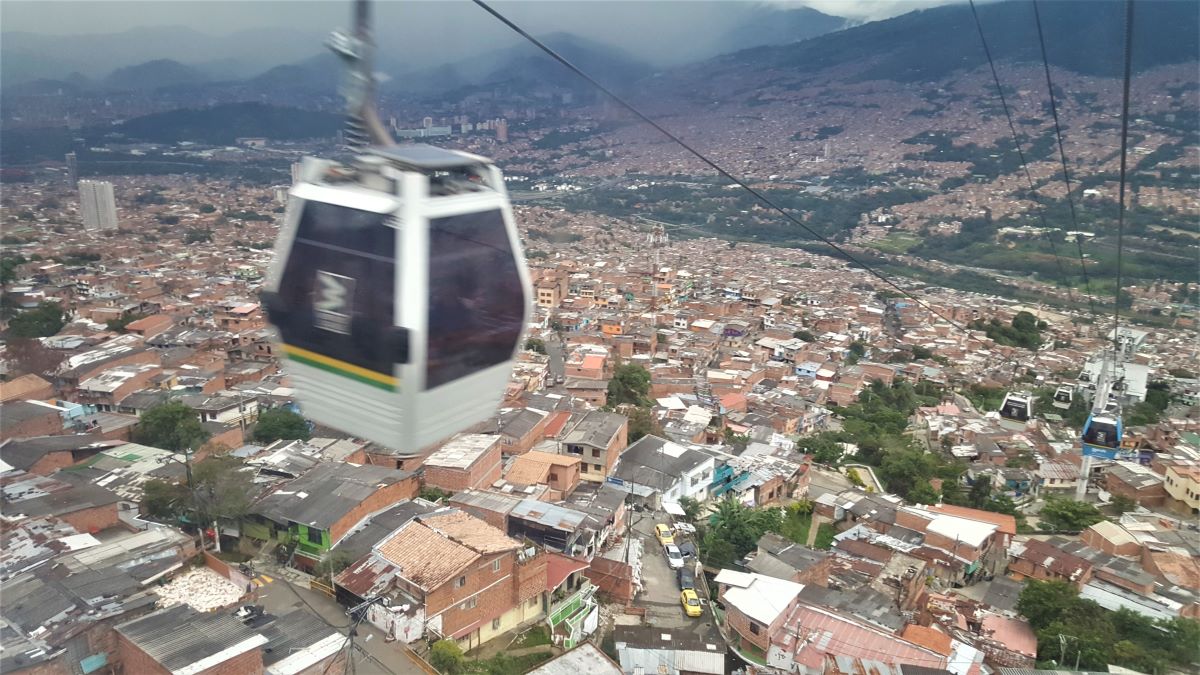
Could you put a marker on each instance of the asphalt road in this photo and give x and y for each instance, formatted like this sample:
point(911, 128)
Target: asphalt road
point(554, 350)
point(380, 658)
point(660, 596)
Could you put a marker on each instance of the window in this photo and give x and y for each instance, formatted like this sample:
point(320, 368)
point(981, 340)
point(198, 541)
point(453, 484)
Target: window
point(597, 467)
point(533, 601)
point(584, 468)
point(496, 565)
point(460, 582)
point(470, 604)
point(754, 628)
point(595, 452)
point(553, 476)
point(336, 292)
point(476, 303)
point(495, 624)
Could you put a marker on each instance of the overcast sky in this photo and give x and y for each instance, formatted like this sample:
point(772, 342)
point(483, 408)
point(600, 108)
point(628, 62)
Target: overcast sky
point(660, 31)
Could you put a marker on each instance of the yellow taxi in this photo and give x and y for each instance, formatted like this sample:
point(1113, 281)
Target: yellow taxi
point(691, 603)
point(663, 532)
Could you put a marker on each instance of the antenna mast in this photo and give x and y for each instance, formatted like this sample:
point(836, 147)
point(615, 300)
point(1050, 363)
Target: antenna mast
point(357, 51)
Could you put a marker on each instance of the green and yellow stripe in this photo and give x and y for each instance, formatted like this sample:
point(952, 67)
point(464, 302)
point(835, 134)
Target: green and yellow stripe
point(338, 367)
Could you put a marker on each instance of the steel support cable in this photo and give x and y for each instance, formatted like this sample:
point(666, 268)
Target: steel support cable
point(1024, 164)
point(1124, 159)
point(1062, 156)
point(713, 165)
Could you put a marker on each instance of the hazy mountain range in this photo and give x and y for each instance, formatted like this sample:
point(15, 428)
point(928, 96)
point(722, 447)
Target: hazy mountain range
point(161, 56)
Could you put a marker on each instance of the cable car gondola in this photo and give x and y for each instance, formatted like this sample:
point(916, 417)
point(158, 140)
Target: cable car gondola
point(1102, 435)
point(399, 289)
point(1017, 407)
point(1063, 396)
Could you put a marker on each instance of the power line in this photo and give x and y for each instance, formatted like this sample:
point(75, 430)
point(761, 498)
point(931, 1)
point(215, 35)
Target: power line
point(1021, 155)
point(1124, 158)
point(713, 165)
point(1062, 156)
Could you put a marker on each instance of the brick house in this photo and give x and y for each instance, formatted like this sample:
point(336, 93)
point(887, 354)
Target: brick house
point(783, 559)
point(520, 430)
point(597, 438)
point(43, 455)
point(756, 605)
point(25, 419)
point(25, 387)
point(1037, 559)
point(1136, 482)
point(86, 507)
point(319, 508)
point(467, 461)
point(180, 639)
point(560, 472)
point(450, 574)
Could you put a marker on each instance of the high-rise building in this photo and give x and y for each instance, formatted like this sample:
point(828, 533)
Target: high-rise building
point(72, 169)
point(97, 204)
point(427, 123)
point(502, 131)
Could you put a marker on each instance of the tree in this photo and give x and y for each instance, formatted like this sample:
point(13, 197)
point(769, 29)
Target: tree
point(903, 470)
point(692, 509)
point(855, 479)
point(825, 448)
point(535, 345)
point(171, 426)
point(718, 552)
point(207, 208)
point(981, 492)
point(804, 335)
point(642, 423)
point(29, 355)
point(164, 500)
point(1121, 504)
point(1043, 602)
point(1068, 515)
point(281, 424)
point(221, 489)
point(923, 493)
point(630, 384)
point(447, 657)
point(332, 563)
point(43, 321)
point(8, 267)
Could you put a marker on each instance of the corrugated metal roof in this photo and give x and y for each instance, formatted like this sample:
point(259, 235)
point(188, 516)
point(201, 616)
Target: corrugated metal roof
point(180, 638)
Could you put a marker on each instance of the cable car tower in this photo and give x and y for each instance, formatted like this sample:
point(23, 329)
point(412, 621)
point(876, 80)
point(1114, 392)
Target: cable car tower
point(399, 289)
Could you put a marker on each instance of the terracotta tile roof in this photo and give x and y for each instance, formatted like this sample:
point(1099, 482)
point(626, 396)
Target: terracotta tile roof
point(557, 421)
point(425, 557)
point(471, 532)
point(528, 471)
point(928, 638)
point(559, 567)
point(1006, 523)
point(21, 387)
point(551, 458)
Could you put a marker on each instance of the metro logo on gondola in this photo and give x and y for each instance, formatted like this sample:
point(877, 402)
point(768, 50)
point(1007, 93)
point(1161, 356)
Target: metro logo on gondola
point(334, 304)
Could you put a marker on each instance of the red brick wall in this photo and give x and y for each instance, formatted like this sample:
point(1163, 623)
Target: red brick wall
point(531, 577)
point(564, 477)
point(740, 623)
point(497, 599)
point(381, 499)
point(51, 462)
point(484, 471)
point(1092, 538)
point(94, 519)
point(966, 552)
point(1152, 496)
point(66, 388)
point(134, 661)
point(613, 578)
point(242, 664)
point(48, 424)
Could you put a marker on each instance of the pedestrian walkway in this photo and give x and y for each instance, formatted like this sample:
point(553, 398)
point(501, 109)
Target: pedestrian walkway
point(262, 580)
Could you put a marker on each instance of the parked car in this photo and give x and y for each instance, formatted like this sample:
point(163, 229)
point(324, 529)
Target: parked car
point(687, 548)
point(663, 532)
point(686, 578)
point(691, 603)
point(674, 557)
point(687, 528)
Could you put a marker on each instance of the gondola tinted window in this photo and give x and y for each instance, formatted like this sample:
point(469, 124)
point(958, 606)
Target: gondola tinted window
point(336, 294)
point(476, 302)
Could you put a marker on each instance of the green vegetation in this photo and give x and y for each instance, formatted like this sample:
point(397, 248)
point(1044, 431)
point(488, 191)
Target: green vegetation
point(505, 664)
point(1158, 398)
point(1025, 331)
point(432, 494)
point(825, 447)
point(1067, 515)
point(804, 335)
point(171, 426)
point(1123, 638)
point(220, 490)
point(797, 523)
point(42, 321)
point(630, 384)
point(281, 424)
point(447, 657)
point(535, 345)
point(332, 563)
point(8, 267)
point(196, 236)
point(987, 398)
point(538, 635)
point(734, 530)
point(119, 325)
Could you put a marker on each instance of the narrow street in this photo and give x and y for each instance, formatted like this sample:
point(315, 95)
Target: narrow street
point(373, 656)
